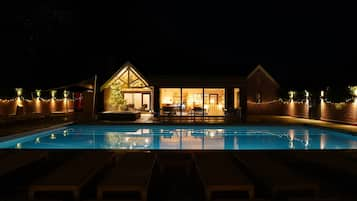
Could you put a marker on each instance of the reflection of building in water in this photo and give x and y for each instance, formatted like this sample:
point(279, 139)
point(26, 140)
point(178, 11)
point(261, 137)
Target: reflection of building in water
point(291, 138)
point(193, 139)
point(125, 141)
point(306, 139)
point(323, 141)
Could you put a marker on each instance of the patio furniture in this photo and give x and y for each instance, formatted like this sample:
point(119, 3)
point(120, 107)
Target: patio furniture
point(276, 177)
point(72, 175)
point(218, 173)
point(11, 161)
point(132, 174)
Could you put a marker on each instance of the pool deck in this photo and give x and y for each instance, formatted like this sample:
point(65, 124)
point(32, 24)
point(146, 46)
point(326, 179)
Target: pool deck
point(287, 120)
point(251, 120)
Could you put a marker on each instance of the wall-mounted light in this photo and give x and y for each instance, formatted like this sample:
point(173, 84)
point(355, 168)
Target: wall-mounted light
point(18, 99)
point(353, 90)
point(38, 93)
point(291, 95)
point(53, 94)
point(18, 92)
point(65, 93)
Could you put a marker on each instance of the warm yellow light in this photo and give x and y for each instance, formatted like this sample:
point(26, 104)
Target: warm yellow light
point(307, 94)
point(18, 91)
point(19, 102)
point(65, 93)
point(322, 94)
point(291, 94)
point(38, 93)
point(53, 94)
point(146, 140)
point(355, 92)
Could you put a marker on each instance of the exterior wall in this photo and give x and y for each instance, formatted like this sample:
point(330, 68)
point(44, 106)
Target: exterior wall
point(339, 112)
point(42, 106)
point(106, 94)
point(295, 109)
point(260, 82)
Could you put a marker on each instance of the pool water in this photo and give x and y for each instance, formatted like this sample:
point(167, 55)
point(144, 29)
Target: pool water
point(155, 137)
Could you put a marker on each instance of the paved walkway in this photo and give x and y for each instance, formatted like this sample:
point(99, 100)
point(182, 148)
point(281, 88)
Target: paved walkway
point(270, 119)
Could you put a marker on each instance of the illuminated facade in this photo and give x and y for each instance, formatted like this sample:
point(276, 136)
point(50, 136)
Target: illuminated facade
point(175, 96)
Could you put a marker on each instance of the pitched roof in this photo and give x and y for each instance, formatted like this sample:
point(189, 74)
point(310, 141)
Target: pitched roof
point(129, 65)
point(260, 67)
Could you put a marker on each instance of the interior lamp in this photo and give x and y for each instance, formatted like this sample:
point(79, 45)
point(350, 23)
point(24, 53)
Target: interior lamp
point(307, 94)
point(322, 94)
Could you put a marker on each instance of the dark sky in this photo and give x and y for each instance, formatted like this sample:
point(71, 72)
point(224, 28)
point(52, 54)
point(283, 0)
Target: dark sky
point(47, 44)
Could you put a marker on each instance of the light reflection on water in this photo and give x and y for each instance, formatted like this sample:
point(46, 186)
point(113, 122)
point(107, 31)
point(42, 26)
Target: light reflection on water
point(186, 137)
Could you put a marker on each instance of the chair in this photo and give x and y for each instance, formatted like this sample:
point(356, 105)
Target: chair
point(132, 174)
point(276, 177)
point(72, 175)
point(11, 161)
point(218, 173)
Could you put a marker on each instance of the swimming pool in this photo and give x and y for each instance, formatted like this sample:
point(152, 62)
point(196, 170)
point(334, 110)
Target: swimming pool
point(154, 137)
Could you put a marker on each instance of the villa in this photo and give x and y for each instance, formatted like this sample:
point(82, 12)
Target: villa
point(185, 96)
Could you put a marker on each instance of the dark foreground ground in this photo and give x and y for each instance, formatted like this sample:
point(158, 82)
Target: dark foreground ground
point(179, 175)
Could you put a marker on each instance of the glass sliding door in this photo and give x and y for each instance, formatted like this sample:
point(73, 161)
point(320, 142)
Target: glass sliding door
point(236, 98)
point(170, 101)
point(192, 102)
point(214, 101)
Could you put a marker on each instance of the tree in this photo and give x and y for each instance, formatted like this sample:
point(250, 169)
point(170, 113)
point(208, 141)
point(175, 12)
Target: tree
point(116, 96)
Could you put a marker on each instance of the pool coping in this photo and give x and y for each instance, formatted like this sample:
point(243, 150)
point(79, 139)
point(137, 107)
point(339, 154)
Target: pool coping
point(31, 132)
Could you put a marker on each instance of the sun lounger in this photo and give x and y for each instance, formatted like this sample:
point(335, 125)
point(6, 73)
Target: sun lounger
point(277, 177)
point(72, 175)
point(132, 174)
point(219, 173)
point(10, 161)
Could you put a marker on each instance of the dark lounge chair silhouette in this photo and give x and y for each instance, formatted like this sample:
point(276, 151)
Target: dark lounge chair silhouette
point(132, 174)
point(72, 175)
point(277, 178)
point(11, 161)
point(218, 173)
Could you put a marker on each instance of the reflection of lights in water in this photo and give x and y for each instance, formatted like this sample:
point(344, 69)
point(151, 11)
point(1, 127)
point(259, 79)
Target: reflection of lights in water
point(130, 146)
point(65, 133)
point(37, 140)
point(134, 144)
point(323, 141)
point(211, 133)
point(18, 146)
point(53, 136)
point(235, 132)
point(127, 139)
point(220, 131)
point(161, 130)
point(306, 138)
point(146, 140)
point(291, 138)
point(146, 131)
point(353, 144)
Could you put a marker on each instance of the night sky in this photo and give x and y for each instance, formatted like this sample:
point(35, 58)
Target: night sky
point(53, 43)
